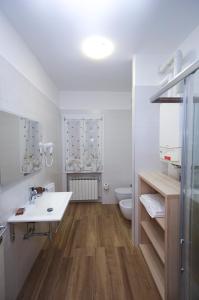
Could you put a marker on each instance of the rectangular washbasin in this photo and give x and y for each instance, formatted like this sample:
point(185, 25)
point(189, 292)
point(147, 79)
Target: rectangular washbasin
point(38, 211)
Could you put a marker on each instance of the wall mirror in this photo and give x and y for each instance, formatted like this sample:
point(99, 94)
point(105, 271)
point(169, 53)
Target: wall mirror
point(19, 147)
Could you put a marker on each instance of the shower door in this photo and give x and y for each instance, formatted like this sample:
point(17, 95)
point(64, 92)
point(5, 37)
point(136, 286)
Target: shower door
point(190, 191)
point(2, 275)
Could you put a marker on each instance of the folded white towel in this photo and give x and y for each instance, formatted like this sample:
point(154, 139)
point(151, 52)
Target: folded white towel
point(154, 204)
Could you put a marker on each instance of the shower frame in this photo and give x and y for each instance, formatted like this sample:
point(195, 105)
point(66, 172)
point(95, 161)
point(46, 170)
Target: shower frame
point(185, 242)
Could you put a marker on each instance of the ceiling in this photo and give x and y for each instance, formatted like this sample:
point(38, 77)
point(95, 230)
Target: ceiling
point(55, 29)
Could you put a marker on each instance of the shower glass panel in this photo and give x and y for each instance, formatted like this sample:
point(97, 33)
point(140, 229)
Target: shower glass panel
point(190, 190)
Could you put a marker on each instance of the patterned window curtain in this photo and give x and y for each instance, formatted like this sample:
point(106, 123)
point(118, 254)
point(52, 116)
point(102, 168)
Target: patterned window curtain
point(29, 141)
point(83, 145)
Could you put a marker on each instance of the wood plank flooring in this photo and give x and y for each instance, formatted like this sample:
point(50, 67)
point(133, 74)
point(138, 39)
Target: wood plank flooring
point(90, 257)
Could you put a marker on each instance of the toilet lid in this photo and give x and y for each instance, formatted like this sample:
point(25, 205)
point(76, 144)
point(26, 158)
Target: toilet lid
point(123, 190)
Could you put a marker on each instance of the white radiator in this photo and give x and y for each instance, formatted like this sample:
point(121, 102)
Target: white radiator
point(85, 189)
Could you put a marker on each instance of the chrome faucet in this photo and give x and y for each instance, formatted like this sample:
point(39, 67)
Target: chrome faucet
point(33, 194)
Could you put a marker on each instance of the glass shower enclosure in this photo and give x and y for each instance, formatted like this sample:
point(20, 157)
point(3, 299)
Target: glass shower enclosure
point(190, 191)
point(189, 220)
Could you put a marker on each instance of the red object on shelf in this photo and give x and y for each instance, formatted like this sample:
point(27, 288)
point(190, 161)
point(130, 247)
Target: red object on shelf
point(166, 157)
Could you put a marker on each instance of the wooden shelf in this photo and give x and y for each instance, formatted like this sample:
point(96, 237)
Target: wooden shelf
point(161, 222)
point(159, 237)
point(155, 267)
point(157, 240)
point(166, 186)
point(172, 100)
point(168, 100)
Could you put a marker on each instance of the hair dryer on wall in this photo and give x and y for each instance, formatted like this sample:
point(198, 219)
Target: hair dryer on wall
point(46, 152)
point(41, 148)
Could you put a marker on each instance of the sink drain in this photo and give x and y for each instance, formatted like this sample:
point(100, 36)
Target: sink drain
point(49, 209)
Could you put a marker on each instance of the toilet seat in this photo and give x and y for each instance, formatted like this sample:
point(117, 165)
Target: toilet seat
point(123, 190)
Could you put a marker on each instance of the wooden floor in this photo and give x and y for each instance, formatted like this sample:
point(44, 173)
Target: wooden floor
point(90, 257)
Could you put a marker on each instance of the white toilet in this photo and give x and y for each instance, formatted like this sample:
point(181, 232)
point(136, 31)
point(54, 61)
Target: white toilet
point(126, 208)
point(124, 196)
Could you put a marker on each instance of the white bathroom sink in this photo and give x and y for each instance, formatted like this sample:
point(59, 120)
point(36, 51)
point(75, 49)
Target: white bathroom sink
point(38, 210)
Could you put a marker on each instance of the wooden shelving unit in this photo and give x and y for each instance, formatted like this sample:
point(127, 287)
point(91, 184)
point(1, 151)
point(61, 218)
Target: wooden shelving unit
point(156, 239)
point(161, 222)
point(155, 267)
point(159, 237)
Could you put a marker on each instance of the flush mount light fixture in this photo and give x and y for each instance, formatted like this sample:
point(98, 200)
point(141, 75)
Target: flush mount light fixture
point(97, 47)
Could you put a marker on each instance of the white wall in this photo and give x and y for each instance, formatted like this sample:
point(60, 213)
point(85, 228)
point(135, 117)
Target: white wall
point(146, 69)
point(117, 151)
point(94, 100)
point(116, 109)
point(25, 90)
point(15, 51)
point(190, 47)
point(145, 123)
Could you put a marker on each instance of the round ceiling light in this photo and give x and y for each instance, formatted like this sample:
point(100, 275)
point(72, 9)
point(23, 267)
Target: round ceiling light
point(97, 47)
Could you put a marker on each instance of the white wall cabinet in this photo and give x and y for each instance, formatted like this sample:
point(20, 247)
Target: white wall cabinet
point(170, 132)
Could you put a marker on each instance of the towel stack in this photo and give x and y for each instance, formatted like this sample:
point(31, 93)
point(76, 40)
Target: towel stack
point(154, 204)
